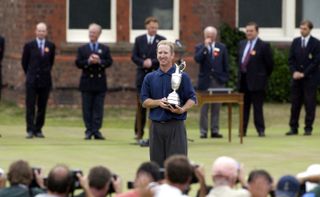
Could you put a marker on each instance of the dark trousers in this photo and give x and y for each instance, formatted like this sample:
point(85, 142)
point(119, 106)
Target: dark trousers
point(166, 139)
point(255, 98)
point(92, 111)
point(140, 120)
point(302, 93)
point(36, 97)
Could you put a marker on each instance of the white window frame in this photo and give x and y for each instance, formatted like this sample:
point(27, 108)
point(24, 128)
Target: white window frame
point(171, 35)
point(288, 29)
point(81, 35)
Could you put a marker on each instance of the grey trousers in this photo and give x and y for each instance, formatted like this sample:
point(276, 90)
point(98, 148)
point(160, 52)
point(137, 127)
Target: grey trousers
point(214, 116)
point(166, 139)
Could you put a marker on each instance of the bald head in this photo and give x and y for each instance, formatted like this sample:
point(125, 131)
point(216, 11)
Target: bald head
point(94, 32)
point(59, 180)
point(41, 30)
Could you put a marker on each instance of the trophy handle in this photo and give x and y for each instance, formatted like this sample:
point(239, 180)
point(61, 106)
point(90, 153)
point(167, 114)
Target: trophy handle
point(182, 66)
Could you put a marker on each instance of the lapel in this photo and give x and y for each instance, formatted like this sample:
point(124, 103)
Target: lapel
point(242, 48)
point(36, 47)
point(309, 44)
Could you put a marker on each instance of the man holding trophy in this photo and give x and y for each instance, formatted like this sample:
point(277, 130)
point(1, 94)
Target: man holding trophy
point(169, 94)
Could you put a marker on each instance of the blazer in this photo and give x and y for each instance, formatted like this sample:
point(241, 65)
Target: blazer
point(306, 61)
point(93, 77)
point(259, 67)
point(141, 51)
point(36, 66)
point(2, 47)
point(217, 68)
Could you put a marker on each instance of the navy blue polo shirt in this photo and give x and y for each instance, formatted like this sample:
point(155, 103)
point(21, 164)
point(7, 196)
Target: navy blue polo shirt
point(157, 85)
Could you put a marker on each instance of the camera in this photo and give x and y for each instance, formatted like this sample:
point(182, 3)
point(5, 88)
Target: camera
point(75, 180)
point(34, 182)
point(130, 185)
point(111, 188)
point(194, 178)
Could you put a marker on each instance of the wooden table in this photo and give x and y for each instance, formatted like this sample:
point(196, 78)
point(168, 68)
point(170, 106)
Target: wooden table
point(229, 98)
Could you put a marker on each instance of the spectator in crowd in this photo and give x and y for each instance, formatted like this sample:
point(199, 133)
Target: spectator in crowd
point(144, 55)
point(311, 177)
point(225, 175)
point(148, 174)
point(2, 48)
point(178, 173)
point(288, 186)
point(260, 183)
point(212, 56)
point(255, 66)
point(3, 179)
point(37, 61)
point(20, 176)
point(100, 181)
point(93, 58)
point(304, 61)
point(168, 133)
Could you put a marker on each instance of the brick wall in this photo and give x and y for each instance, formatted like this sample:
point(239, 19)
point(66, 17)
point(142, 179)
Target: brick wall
point(19, 17)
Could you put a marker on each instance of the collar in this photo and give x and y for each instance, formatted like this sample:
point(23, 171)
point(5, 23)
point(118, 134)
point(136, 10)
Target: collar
point(254, 41)
point(307, 38)
point(170, 71)
point(38, 40)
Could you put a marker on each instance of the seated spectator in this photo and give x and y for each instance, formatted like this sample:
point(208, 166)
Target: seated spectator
point(20, 176)
point(288, 186)
point(147, 173)
point(178, 173)
point(260, 183)
point(2, 179)
point(225, 175)
point(100, 179)
point(310, 177)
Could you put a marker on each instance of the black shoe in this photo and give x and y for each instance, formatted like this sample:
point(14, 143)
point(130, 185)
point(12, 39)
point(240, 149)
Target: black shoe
point(216, 135)
point(307, 133)
point(88, 137)
point(29, 135)
point(144, 143)
point(39, 135)
point(203, 135)
point(261, 134)
point(99, 137)
point(291, 132)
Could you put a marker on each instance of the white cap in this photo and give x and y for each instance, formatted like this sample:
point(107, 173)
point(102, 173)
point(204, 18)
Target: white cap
point(1, 171)
point(313, 169)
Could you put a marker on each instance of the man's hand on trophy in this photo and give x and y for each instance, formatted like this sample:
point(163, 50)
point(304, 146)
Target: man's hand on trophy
point(163, 103)
point(176, 109)
point(147, 63)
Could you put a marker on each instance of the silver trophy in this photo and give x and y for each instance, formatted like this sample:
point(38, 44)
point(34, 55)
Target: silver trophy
point(173, 98)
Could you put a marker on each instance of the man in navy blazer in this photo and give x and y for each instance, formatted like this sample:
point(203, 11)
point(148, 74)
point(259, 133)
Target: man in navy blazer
point(93, 58)
point(304, 67)
point(255, 66)
point(212, 57)
point(144, 55)
point(37, 61)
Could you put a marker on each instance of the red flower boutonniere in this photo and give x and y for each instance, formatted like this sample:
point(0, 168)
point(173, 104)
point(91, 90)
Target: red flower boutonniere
point(253, 52)
point(216, 52)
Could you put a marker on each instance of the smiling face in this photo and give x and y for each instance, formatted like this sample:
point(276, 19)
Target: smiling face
point(165, 55)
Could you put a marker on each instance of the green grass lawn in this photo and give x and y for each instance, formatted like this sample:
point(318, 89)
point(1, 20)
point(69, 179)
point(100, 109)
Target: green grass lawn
point(64, 142)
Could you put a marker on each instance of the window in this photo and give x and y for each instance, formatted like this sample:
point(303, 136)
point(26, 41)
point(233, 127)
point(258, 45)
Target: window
point(278, 19)
point(166, 11)
point(308, 10)
point(83, 12)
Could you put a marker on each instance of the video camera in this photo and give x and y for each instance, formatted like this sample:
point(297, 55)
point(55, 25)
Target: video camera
point(34, 182)
point(75, 184)
point(111, 188)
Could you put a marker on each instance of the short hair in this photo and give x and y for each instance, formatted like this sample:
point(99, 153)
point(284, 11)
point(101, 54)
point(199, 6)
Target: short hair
point(150, 19)
point(210, 29)
point(20, 172)
point(99, 176)
point(260, 173)
point(95, 25)
point(41, 24)
point(150, 168)
point(167, 43)
point(178, 169)
point(256, 26)
point(59, 179)
point(308, 23)
point(225, 167)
